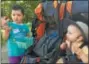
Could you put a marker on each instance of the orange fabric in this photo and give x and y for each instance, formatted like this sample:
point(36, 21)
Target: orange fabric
point(69, 7)
point(61, 11)
point(38, 12)
point(40, 30)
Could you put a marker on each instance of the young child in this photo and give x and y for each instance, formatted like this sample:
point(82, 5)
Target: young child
point(76, 41)
point(16, 34)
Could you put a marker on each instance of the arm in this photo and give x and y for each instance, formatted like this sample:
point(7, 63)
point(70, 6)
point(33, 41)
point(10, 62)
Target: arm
point(5, 27)
point(6, 32)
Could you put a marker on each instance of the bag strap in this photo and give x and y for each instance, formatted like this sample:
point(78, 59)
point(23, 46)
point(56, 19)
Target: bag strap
point(57, 53)
point(34, 25)
point(38, 12)
point(69, 7)
point(66, 9)
point(60, 9)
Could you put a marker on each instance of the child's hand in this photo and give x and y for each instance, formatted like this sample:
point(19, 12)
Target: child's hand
point(4, 21)
point(7, 28)
point(4, 25)
point(76, 49)
point(68, 43)
point(63, 46)
point(80, 53)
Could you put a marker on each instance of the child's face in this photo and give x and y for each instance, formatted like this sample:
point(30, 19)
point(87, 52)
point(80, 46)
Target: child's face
point(73, 33)
point(17, 16)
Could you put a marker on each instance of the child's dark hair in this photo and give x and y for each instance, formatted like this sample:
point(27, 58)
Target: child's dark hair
point(18, 7)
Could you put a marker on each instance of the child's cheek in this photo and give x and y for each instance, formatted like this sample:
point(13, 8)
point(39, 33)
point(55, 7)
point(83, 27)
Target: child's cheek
point(71, 38)
point(67, 37)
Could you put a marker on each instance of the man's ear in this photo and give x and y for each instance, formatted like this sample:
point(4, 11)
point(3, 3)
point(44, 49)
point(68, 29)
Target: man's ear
point(80, 38)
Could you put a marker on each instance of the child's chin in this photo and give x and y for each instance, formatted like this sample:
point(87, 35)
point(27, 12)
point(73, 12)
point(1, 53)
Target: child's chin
point(18, 22)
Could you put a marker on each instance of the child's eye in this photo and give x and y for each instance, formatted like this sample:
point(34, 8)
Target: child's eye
point(19, 15)
point(13, 14)
point(69, 33)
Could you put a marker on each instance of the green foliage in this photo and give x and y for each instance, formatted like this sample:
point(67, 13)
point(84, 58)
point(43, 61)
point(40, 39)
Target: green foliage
point(28, 6)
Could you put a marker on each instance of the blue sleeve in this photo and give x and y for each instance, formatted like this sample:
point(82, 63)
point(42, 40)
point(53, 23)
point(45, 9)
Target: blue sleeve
point(9, 23)
point(27, 29)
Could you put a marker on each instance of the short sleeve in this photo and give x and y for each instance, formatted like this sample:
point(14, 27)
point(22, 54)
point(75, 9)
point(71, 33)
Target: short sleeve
point(27, 29)
point(9, 23)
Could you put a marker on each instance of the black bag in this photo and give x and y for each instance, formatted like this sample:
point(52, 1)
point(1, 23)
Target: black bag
point(47, 48)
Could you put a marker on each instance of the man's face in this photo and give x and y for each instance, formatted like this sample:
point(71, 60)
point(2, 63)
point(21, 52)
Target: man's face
point(73, 33)
point(17, 16)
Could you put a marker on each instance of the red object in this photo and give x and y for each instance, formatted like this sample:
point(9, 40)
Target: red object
point(38, 59)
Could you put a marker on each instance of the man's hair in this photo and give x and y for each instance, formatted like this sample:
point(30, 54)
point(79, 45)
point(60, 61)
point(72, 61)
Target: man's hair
point(18, 7)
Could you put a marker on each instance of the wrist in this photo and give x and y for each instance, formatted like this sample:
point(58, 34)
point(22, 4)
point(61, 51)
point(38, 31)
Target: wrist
point(7, 30)
point(79, 52)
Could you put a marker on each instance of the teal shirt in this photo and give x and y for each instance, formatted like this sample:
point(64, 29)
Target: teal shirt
point(18, 41)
